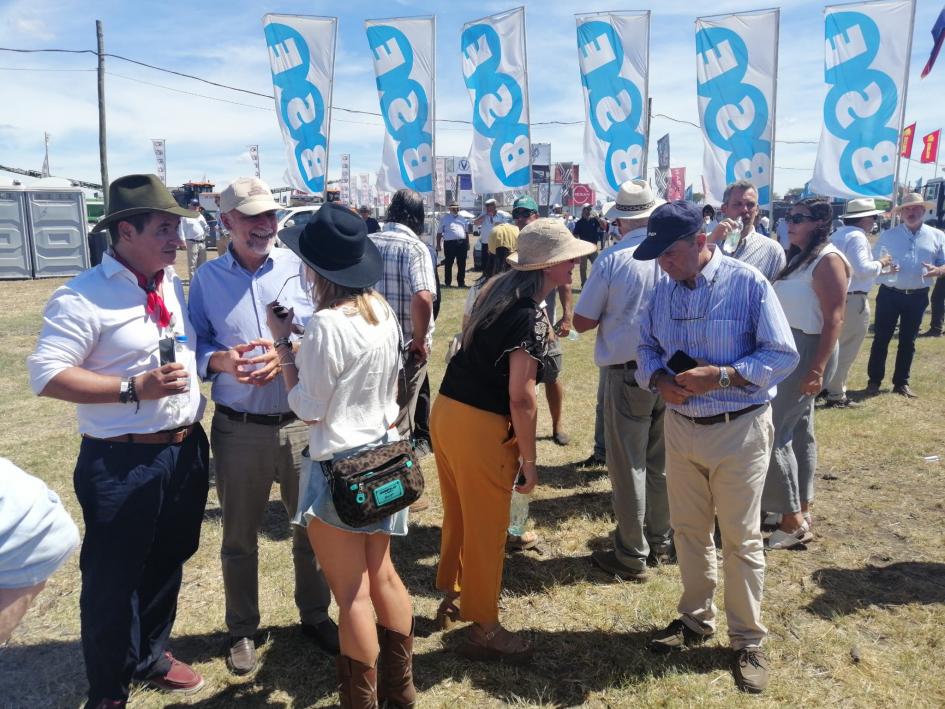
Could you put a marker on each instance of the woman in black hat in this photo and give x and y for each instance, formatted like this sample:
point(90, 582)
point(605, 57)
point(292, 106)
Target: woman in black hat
point(343, 383)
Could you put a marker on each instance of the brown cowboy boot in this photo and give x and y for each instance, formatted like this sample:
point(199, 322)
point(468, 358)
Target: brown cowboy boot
point(395, 668)
point(357, 683)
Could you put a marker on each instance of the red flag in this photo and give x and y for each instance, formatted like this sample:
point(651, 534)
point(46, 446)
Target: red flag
point(905, 141)
point(930, 146)
point(938, 38)
point(677, 184)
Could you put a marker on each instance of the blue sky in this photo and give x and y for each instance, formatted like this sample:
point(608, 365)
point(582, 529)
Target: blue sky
point(223, 42)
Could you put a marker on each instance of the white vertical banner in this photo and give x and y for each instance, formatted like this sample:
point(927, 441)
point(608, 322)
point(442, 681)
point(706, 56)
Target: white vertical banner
point(441, 181)
point(736, 78)
point(302, 58)
point(254, 156)
point(866, 68)
point(346, 178)
point(613, 56)
point(160, 158)
point(403, 54)
point(493, 56)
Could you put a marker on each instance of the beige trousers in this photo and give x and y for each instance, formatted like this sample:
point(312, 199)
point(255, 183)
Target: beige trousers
point(856, 321)
point(196, 255)
point(719, 470)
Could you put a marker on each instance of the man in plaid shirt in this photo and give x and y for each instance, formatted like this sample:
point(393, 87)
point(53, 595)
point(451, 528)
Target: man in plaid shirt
point(409, 285)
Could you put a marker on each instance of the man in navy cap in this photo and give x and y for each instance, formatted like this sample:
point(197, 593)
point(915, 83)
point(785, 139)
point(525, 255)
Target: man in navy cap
point(714, 343)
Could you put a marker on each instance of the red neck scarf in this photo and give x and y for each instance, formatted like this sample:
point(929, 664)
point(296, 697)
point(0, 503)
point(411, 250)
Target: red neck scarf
point(155, 303)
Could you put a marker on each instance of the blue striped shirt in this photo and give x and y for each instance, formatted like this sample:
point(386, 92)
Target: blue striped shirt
point(911, 250)
point(732, 317)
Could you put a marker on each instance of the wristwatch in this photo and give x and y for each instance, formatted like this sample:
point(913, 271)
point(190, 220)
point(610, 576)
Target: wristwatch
point(724, 381)
point(124, 391)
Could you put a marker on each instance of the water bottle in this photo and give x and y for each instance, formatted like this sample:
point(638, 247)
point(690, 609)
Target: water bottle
point(178, 403)
point(731, 241)
point(518, 513)
point(887, 274)
point(573, 335)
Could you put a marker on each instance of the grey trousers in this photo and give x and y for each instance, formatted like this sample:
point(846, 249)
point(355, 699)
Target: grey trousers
point(633, 433)
point(790, 478)
point(856, 321)
point(414, 374)
point(600, 449)
point(248, 459)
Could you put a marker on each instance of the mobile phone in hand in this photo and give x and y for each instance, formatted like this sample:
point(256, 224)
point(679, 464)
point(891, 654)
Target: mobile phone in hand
point(520, 479)
point(681, 362)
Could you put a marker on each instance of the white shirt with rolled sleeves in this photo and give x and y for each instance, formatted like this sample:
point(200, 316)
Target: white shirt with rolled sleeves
point(614, 295)
point(453, 228)
point(853, 244)
point(97, 321)
point(193, 228)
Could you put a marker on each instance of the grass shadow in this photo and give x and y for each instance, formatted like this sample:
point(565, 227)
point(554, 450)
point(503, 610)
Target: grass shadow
point(846, 591)
point(62, 684)
point(552, 511)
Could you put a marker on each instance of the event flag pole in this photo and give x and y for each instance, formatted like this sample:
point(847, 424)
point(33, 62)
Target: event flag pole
point(902, 113)
point(525, 70)
point(774, 113)
point(102, 150)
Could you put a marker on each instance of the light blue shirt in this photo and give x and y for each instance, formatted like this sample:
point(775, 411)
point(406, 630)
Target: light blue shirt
point(228, 307)
point(910, 251)
point(732, 317)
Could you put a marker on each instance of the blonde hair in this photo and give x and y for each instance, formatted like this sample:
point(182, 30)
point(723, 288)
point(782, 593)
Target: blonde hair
point(328, 294)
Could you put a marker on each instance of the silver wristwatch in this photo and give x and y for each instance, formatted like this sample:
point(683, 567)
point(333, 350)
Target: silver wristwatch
point(724, 381)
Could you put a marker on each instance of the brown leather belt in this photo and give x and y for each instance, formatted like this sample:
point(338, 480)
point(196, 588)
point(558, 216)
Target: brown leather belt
point(720, 418)
point(857, 292)
point(261, 419)
point(631, 365)
point(907, 291)
point(171, 436)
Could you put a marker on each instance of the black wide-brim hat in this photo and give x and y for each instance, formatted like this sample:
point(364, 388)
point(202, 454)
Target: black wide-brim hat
point(335, 244)
point(137, 194)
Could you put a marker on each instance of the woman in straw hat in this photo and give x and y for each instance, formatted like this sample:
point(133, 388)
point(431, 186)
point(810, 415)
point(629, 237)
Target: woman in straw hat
point(343, 383)
point(483, 426)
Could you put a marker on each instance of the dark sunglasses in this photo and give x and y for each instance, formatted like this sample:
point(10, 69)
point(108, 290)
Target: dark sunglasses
point(799, 218)
point(521, 213)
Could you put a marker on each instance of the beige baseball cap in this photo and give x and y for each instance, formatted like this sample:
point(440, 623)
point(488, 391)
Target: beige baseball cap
point(249, 195)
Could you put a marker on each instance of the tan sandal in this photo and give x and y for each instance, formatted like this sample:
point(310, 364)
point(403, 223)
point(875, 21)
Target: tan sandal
point(517, 544)
point(497, 645)
point(448, 615)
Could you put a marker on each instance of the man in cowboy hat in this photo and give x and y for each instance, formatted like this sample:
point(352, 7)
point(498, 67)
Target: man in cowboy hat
point(740, 201)
point(612, 300)
point(256, 438)
point(117, 341)
point(372, 224)
point(716, 363)
point(452, 237)
point(193, 232)
point(919, 252)
point(858, 220)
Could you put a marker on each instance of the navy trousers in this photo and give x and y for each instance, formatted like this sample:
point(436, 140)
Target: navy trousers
point(142, 505)
point(907, 309)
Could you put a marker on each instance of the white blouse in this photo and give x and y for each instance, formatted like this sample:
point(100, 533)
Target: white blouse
point(797, 296)
point(348, 372)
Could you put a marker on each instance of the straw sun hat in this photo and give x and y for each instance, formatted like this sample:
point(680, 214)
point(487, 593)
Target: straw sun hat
point(547, 242)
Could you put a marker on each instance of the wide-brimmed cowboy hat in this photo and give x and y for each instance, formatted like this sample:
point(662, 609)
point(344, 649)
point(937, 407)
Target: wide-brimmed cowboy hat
point(138, 194)
point(335, 244)
point(858, 208)
point(635, 200)
point(547, 242)
point(911, 200)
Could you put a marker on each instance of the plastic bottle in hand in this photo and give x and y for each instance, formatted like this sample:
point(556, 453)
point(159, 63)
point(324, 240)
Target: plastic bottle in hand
point(178, 403)
point(731, 241)
point(888, 273)
point(518, 513)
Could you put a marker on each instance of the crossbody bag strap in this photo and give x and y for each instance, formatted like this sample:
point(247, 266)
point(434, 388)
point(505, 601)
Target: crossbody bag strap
point(403, 362)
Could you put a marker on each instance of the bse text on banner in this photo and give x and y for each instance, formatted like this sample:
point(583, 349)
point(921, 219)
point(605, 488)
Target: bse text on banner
point(403, 54)
point(613, 56)
point(301, 57)
point(736, 77)
point(865, 67)
point(493, 56)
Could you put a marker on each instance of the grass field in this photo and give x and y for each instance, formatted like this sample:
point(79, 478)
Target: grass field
point(855, 621)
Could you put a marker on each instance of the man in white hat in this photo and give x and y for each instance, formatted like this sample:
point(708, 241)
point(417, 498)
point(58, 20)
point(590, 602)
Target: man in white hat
point(255, 437)
point(611, 300)
point(485, 221)
point(858, 220)
point(740, 202)
point(451, 236)
point(919, 252)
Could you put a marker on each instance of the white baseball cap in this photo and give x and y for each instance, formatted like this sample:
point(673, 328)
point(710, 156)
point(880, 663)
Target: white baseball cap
point(249, 195)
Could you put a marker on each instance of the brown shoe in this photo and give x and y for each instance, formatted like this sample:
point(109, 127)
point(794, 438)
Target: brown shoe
point(447, 615)
point(357, 683)
point(904, 390)
point(607, 561)
point(241, 657)
point(677, 636)
point(750, 667)
point(498, 645)
point(395, 669)
point(181, 678)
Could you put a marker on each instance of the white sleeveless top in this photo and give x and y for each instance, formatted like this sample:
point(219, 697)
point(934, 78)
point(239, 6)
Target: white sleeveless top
point(797, 296)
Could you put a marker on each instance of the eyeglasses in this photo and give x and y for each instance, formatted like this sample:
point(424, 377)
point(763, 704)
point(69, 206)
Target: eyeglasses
point(297, 275)
point(799, 218)
point(521, 213)
point(678, 305)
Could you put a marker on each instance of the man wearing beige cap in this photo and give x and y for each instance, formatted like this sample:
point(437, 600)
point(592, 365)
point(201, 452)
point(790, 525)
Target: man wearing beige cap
point(255, 437)
point(858, 220)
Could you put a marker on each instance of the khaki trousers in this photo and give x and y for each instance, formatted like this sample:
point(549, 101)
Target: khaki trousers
point(856, 321)
point(414, 373)
point(196, 255)
point(476, 462)
point(633, 431)
point(249, 458)
point(720, 470)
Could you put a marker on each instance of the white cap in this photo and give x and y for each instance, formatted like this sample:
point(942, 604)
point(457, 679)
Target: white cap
point(249, 195)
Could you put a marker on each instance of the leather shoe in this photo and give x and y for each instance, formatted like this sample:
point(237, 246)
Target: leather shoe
point(180, 678)
point(904, 390)
point(872, 388)
point(241, 658)
point(325, 635)
point(607, 561)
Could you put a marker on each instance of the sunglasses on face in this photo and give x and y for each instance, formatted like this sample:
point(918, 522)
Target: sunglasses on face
point(521, 213)
point(799, 218)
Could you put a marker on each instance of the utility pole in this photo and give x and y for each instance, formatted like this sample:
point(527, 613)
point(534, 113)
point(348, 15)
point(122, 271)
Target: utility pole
point(102, 149)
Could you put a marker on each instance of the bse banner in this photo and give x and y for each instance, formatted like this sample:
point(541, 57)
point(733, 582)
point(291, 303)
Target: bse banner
point(613, 56)
point(346, 178)
point(736, 77)
point(302, 58)
point(493, 54)
point(160, 158)
point(403, 56)
point(866, 67)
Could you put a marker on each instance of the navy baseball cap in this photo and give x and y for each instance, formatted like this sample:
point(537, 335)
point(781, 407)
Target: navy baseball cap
point(668, 224)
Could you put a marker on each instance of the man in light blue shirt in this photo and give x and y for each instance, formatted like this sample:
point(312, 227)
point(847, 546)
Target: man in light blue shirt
point(255, 437)
point(918, 253)
point(452, 235)
point(714, 343)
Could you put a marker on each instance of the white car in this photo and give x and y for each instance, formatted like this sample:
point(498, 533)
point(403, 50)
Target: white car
point(295, 216)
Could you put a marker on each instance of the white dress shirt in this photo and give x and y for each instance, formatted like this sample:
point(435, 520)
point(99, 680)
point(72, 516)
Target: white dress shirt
point(193, 228)
point(97, 321)
point(853, 244)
